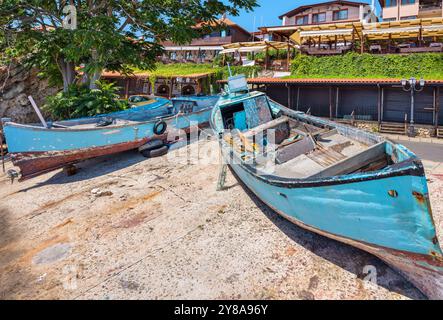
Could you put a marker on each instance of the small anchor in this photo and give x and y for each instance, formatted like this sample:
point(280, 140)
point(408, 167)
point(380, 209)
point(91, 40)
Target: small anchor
point(12, 174)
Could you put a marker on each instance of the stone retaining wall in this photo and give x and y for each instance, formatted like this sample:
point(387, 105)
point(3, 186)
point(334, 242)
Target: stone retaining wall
point(20, 83)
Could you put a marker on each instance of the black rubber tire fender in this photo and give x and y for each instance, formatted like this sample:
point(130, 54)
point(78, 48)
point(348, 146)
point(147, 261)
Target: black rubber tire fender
point(157, 152)
point(152, 144)
point(160, 127)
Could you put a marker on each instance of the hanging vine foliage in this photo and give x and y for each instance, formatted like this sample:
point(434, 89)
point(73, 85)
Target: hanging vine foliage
point(354, 65)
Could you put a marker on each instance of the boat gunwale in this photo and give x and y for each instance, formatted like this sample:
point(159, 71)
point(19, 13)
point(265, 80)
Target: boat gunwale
point(134, 123)
point(412, 167)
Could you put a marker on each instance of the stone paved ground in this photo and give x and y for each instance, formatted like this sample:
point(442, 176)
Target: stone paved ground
point(126, 227)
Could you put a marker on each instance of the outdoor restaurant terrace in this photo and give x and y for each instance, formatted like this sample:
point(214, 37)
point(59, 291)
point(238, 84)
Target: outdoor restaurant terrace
point(407, 36)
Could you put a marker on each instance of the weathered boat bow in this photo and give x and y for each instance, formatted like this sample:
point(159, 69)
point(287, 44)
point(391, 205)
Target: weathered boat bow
point(341, 182)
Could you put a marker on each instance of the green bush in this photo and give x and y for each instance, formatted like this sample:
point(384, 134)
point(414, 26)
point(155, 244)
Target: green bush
point(80, 101)
point(354, 65)
point(218, 60)
point(272, 55)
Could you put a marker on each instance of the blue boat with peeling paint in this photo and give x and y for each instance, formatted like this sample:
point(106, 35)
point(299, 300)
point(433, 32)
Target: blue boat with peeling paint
point(36, 149)
point(335, 180)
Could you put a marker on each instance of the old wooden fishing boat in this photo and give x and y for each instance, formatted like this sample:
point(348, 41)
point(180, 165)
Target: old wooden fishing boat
point(37, 149)
point(335, 180)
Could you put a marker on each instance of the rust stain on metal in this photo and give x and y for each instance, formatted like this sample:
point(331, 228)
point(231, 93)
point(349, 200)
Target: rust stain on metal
point(419, 196)
point(32, 164)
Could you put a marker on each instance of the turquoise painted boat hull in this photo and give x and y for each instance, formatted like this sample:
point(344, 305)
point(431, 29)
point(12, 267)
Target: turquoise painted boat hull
point(385, 212)
point(37, 150)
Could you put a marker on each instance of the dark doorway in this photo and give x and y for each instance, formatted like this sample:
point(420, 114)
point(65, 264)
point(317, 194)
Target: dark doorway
point(188, 90)
point(163, 90)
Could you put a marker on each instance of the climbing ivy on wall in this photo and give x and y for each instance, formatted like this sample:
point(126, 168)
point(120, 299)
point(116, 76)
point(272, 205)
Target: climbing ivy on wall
point(215, 73)
point(354, 65)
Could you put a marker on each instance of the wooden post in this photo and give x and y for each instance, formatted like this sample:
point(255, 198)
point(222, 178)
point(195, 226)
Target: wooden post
point(37, 111)
point(382, 104)
point(362, 44)
point(379, 105)
point(337, 101)
point(127, 88)
point(319, 42)
point(288, 57)
point(389, 43)
point(353, 39)
point(199, 86)
point(171, 86)
point(266, 57)
point(298, 98)
point(420, 36)
point(289, 95)
point(330, 103)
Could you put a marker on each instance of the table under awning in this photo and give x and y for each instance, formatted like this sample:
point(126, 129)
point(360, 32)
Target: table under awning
point(325, 33)
point(332, 33)
point(258, 46)
point(245, 49)
point(407, 29)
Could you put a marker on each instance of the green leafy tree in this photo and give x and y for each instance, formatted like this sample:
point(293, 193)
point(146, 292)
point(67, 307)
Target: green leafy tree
point(80, 101)
point(110, 34)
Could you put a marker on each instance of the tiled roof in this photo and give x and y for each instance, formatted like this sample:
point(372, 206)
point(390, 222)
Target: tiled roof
point(333, 81)
point(111, 74)
point(302, 8)
point(338, 81)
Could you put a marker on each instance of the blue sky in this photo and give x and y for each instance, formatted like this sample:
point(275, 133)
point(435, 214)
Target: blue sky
point(269, 10)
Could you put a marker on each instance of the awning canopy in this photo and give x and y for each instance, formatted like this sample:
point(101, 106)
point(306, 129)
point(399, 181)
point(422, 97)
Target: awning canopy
point(328, 32)
point(406, 29)
point(193, 48)
point(417, 28)
point(317, 33)
point(244, 49)
point(257, 46)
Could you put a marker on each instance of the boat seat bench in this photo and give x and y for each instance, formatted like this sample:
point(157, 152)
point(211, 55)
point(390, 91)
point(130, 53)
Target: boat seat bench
point(351, 164)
